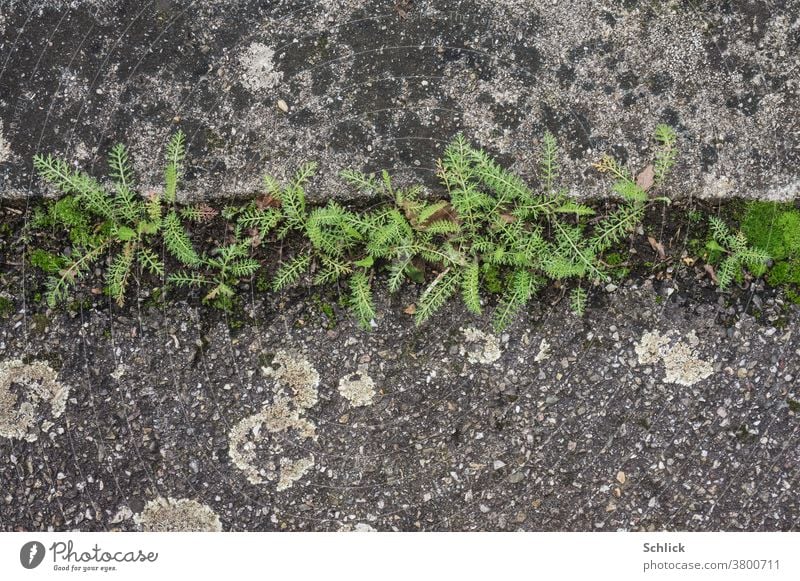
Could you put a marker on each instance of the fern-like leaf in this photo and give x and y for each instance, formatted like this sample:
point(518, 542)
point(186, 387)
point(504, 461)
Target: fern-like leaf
point(176, 151)
point(437, 293)
point(119, 272)
point(521, 288)
point(290, 272)
point(470, 288)
point(549, 162)
point(361, 302)
point(667, 153)
point(178, 242)
point(577, 300)
point(150, 261)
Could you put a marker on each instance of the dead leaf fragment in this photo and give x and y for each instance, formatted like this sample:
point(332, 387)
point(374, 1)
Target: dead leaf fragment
point(267, 201)
point(658, 247)
point(711, 272)
point(646, 178)
point(410, 309)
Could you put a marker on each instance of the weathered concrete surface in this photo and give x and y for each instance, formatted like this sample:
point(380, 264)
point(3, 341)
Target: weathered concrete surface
point(558, 424)
point(384, 84)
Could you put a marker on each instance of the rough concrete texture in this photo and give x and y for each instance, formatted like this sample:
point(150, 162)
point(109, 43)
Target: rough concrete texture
point(560, 423)
point(260, 86)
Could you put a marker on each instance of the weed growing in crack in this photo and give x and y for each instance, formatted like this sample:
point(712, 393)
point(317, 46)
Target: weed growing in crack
point(737, 253)
point(492, 234)
point(114, 223)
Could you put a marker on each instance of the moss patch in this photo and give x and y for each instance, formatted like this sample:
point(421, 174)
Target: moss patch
point(776, 228)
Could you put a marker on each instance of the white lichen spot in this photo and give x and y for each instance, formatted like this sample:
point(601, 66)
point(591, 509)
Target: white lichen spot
point(37, 384)
point(259, 72)
point(479, 347)
point(167, 515)
point(716, 186)
point(293, 470)
point(544, 352)
point(651, 347)
point(358, 388)
point(258, 444)
point(124, 513)
point(5, 149)
point(357, 528)
point(296, 373)
point(681, 362)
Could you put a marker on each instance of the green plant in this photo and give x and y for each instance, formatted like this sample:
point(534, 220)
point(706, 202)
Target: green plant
point(6, 307)
point(47, 261)
point(221, 272)
point(775, 228)
point(115, 221)
point(736, 251)
point(496, 221)
point(492, 234)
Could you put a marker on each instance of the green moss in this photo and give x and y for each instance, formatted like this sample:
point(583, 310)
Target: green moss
point(6, 307)
point(616, 261)
point(46, 261)
point(78, 305)
point(40, 323)
point(491, 279)
point(156, 298)
point(262, 282)
point(793, 296)
point(695, 216)
point(327, 310)
point(775, 228)
point(794, 405)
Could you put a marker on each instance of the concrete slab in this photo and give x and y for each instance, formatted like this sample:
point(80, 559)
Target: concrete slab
point(260, 86)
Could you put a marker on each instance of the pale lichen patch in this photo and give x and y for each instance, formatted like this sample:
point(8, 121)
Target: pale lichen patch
point(681, 362)
point(164, 515)
point(479, 347)
point(358, 388)
point(38, 385)
point(357, 528)
point(5, 149)
point(293, 470)
point(544, 352)
point(258, 68)
point(257, 444)
point(296, 373)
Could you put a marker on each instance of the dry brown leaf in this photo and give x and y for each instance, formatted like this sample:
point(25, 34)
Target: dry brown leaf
point(410, 309)
point(658, 247)
point(446, 213)
point(646, 177)
point(711, 272)
point(267, 201)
